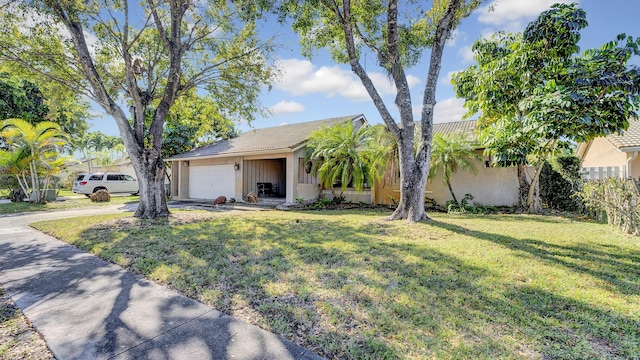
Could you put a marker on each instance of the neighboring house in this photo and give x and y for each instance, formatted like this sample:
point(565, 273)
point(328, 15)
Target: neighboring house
point(268, 162)
point(496, 186)
point(274, 157)
point(614, 155)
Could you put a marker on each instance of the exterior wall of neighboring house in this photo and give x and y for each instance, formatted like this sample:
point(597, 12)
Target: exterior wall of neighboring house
point(601, 153)
point(602, 159)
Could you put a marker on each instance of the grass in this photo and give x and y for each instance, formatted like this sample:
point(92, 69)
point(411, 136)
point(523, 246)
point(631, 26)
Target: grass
point(18, 340)
point(12, 208)
point(350, 285)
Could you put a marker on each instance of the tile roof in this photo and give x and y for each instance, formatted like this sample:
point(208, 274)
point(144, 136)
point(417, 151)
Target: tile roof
point(467, 126)
point(273, 139)
point(629, 138)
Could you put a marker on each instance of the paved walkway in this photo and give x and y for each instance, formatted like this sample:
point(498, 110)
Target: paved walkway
point(87, 308)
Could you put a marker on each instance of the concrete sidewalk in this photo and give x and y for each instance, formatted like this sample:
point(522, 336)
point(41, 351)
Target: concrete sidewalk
point(86, 308)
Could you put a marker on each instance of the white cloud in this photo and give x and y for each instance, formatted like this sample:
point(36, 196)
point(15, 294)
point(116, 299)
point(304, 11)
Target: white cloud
point(455, 36)
point(286, 107)
point(447, 110)
point(466, 53)
point(446, 81)
point(511, 15)
point(301, 77)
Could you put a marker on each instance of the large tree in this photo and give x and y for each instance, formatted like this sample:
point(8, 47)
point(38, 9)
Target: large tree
point(148, 53)
point(397, 38)
point(535, 92)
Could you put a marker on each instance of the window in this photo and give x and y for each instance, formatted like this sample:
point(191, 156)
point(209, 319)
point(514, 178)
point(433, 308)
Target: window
point(113, 177)
point(96, 177)
point(80, 177)
point(128, 178)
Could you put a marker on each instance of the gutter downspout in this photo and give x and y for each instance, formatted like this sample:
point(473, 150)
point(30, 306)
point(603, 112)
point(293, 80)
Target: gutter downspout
point(629, 160)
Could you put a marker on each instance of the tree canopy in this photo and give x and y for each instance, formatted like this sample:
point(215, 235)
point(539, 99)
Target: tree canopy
point(535, 91)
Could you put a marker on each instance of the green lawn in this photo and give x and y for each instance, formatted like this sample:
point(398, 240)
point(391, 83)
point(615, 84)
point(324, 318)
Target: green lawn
point(83, 201)
point(348, 284)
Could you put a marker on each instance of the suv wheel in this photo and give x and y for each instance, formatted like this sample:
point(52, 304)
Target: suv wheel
point(98, 188)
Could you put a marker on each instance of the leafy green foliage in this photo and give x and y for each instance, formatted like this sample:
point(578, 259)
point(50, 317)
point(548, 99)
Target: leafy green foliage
point(467, 206)
point(618, 199)
point(340, 155)
point(21, 99)
point(535, 92)
point(33, 154)
point(559, 184)
point(149, 54)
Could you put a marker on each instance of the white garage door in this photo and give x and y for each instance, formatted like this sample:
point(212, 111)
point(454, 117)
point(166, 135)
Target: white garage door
point(211, 181)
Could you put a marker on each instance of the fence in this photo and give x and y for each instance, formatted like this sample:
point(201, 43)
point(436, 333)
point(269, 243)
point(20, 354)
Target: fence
point(598, 173)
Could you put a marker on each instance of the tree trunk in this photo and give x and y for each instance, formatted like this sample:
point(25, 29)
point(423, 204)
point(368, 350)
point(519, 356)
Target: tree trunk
point(413, 184)
point(153, 200)
point(451, 191)
point(533, 198)
point(411, 205)
point(523, 186)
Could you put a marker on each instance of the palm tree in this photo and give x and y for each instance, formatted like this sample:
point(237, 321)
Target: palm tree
point(451, 152)
point(34, 142)
point(339, 154)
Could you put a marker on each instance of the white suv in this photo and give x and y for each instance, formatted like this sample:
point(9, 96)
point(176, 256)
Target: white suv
point(114, 183)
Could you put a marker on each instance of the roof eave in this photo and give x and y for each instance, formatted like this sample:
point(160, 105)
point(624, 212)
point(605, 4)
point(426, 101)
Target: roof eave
point(244, 153)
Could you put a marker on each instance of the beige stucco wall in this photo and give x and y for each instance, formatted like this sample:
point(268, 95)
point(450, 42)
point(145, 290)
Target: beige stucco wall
point(350, 195)
point(496, 186)
point(490, 186)
point(601, 153)
point(308, 191)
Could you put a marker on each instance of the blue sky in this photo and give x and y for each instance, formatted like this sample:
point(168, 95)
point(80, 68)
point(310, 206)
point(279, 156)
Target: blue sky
point(318, 88)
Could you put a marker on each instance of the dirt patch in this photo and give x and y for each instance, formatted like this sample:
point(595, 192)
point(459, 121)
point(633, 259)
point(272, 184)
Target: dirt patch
point(176, 218)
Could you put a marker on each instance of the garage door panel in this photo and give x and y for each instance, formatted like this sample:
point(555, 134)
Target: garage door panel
point(211, 181)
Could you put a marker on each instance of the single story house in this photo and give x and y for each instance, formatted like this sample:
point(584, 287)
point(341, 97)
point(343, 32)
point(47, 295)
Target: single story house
point(267, 161)
point(270, 162)
point(615, 155)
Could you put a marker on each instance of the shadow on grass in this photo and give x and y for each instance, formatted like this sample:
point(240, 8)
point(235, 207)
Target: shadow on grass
point(608, 262)
point(345, 291)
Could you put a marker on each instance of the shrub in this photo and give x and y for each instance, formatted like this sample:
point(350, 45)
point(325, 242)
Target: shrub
point(322, 203)
point(100, 196)
point(618, 199)
point(17, 195)
point(466, 207)
point(560, 183)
